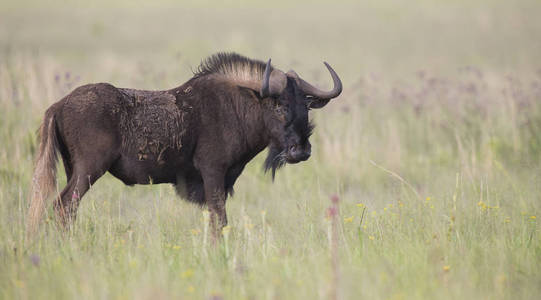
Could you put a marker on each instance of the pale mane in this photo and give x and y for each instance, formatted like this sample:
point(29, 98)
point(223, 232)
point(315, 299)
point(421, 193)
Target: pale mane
point(232, 66)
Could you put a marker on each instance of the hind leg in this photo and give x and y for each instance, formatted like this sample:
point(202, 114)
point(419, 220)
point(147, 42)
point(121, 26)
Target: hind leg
point(68, 168)
point(78, 184)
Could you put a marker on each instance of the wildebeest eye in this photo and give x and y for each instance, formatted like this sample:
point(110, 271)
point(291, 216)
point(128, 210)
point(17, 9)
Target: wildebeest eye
point(281, 110)
point(308, 101)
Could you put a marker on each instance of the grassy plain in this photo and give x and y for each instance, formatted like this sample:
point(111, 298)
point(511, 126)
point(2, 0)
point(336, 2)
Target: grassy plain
point(437, 138)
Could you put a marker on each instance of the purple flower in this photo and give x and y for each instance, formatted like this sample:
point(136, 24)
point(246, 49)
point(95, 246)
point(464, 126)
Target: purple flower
point(34, 258)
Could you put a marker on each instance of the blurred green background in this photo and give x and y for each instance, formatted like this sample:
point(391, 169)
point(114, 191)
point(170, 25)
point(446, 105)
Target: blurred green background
point(433, 148)
point(356, 36)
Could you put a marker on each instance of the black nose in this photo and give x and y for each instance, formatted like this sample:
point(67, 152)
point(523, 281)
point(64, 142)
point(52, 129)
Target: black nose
point(299, 153)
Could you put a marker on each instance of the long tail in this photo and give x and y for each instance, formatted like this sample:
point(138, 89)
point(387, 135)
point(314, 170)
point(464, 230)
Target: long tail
point(44, 178)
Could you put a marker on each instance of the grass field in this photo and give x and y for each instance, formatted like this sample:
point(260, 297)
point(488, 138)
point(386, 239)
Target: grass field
point(434, 150)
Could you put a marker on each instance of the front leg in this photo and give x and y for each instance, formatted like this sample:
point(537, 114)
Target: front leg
point(215, 197)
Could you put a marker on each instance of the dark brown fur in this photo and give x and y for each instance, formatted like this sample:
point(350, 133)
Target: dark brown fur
point(198, 136)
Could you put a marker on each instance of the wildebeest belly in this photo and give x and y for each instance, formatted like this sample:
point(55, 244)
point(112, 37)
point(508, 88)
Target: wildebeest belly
point(134, 171)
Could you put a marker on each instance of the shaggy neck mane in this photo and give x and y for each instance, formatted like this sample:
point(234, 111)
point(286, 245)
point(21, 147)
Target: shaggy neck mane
point(232, 66)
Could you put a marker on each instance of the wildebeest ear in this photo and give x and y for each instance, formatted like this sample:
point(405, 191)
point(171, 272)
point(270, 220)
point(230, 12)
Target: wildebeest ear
point(315, 103)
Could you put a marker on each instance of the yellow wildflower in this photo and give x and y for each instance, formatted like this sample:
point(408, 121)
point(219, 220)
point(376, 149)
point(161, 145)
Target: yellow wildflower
point(191, 289)
point(176, 247)
point(19, 283)
point(482, 205)
point(349, 220)
point(186, 274)
point(360, 205)
point(533, 217)
point(446, 268)
point(371, 237)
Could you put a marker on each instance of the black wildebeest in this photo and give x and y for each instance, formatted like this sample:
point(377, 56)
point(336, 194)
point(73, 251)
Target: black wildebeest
point(198, 136)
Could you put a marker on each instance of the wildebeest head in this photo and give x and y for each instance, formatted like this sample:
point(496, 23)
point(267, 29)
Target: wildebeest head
point(287, 120)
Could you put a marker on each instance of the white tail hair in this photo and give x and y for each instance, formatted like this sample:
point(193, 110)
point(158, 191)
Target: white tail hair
point(44, 177)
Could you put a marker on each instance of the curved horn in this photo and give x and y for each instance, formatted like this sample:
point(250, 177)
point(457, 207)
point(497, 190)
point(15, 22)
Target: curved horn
point(274, 82)
point(266, 78)
point(323, 95)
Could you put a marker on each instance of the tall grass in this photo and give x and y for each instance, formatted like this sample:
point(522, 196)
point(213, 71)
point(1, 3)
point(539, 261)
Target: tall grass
point(436, 165)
